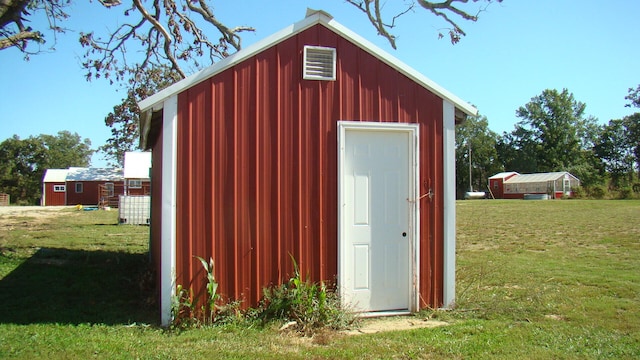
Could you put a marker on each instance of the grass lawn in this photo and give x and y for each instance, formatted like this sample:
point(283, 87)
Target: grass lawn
point(535, 280)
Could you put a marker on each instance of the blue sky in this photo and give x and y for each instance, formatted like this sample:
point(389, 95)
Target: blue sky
point(515, 51)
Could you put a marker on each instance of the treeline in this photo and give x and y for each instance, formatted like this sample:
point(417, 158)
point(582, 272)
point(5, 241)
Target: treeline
point(554, 134)
point(24, 161)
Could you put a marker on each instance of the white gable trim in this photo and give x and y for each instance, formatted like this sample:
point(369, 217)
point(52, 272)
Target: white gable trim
point(318, 17)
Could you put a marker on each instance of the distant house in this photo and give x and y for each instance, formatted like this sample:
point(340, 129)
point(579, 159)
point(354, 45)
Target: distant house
point(54, 187)
point(94, 186)
point(82, 186)
point(512, 185)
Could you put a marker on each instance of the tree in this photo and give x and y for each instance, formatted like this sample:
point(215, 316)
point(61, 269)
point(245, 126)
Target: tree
point(616, 152)
point(64, 150)
point(551, 120)
point(124, 118)
point(474, 137)
point(632, 124)
point(186, 34)
point(23, 162)
point(552, 135)
point(13, 31)
point(517, 151)
point(633, 97)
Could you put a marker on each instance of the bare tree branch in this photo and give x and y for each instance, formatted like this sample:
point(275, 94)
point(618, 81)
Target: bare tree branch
point(13, 14)
point(167, 31)
point(20, 39)
point(442, 9)
point(167, 38)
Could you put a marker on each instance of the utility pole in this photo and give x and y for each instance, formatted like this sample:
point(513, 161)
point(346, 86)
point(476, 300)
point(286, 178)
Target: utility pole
point(469, 152)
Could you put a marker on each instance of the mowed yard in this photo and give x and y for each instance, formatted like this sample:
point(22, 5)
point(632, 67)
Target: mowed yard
point(535, 280)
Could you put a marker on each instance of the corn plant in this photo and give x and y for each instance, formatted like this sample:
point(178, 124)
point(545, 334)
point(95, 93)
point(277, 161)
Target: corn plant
point(183, 305)
point(210, 307)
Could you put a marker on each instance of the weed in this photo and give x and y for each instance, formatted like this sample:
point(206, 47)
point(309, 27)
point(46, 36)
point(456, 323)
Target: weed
point(310, 305)
point(184, 304)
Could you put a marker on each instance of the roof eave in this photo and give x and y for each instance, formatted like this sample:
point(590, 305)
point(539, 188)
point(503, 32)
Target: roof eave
point(155, 102)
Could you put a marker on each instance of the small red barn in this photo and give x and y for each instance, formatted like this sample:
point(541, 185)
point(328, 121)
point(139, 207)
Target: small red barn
point(496, 183)
point(312, 143)
point(92, 186)
point(54, 187)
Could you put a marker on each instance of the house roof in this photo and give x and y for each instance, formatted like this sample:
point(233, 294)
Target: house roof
point(137, 164)
point(94, 174)
point(314, 17)
point(55, 175)
point(538, 177)
point(503, 175)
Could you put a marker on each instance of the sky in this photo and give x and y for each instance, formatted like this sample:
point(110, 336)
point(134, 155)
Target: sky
point(511, 54)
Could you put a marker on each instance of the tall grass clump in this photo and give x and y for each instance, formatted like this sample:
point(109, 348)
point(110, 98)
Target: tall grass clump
point(305, 305)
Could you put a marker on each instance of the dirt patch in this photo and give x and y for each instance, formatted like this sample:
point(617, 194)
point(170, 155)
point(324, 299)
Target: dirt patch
point(395, 323)
point(8, 214)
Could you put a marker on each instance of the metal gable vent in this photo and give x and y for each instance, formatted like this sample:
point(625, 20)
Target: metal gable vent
point(319, 63)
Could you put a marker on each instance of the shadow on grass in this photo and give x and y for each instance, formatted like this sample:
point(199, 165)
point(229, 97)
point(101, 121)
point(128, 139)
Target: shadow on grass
point(73, 287)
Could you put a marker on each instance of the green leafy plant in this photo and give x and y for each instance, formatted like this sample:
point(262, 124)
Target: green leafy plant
point(210, 307)
point(184, 311)
point(312, 306)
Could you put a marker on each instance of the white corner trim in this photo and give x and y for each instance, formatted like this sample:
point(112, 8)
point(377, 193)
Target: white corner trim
point(449, 169)
point(168, 212)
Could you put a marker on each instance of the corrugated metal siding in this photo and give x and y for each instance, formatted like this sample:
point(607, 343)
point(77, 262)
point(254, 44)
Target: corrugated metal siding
point(88, 196)
point(257, 166)
point(155, 246)
point(54, 198)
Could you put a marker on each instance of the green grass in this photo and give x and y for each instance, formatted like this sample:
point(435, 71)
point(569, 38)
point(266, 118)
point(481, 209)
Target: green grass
point(536, 279)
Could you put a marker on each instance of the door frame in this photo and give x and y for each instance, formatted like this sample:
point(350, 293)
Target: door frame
point(414, 213)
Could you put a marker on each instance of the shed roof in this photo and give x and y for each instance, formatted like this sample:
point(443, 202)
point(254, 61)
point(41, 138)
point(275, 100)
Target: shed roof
point(95, 174)
point(137, 164)
point(538, 177)
point(314, 17)
point(503, 175)
point(55, 175)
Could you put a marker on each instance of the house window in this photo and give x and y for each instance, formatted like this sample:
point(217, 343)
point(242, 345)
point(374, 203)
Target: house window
point(135, 184)
point(59, 188)
point(319, 63)
point(79, 187)
point(495, 184)
point(109, 188)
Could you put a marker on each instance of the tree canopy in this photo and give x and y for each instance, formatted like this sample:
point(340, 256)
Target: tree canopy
point(475, 143)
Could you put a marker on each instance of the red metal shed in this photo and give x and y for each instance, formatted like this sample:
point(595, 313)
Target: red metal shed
point(315, 143)
point(54, 187)
point(496, 183)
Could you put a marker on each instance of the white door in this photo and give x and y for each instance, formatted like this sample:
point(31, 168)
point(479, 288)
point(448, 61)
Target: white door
point(377, 218)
